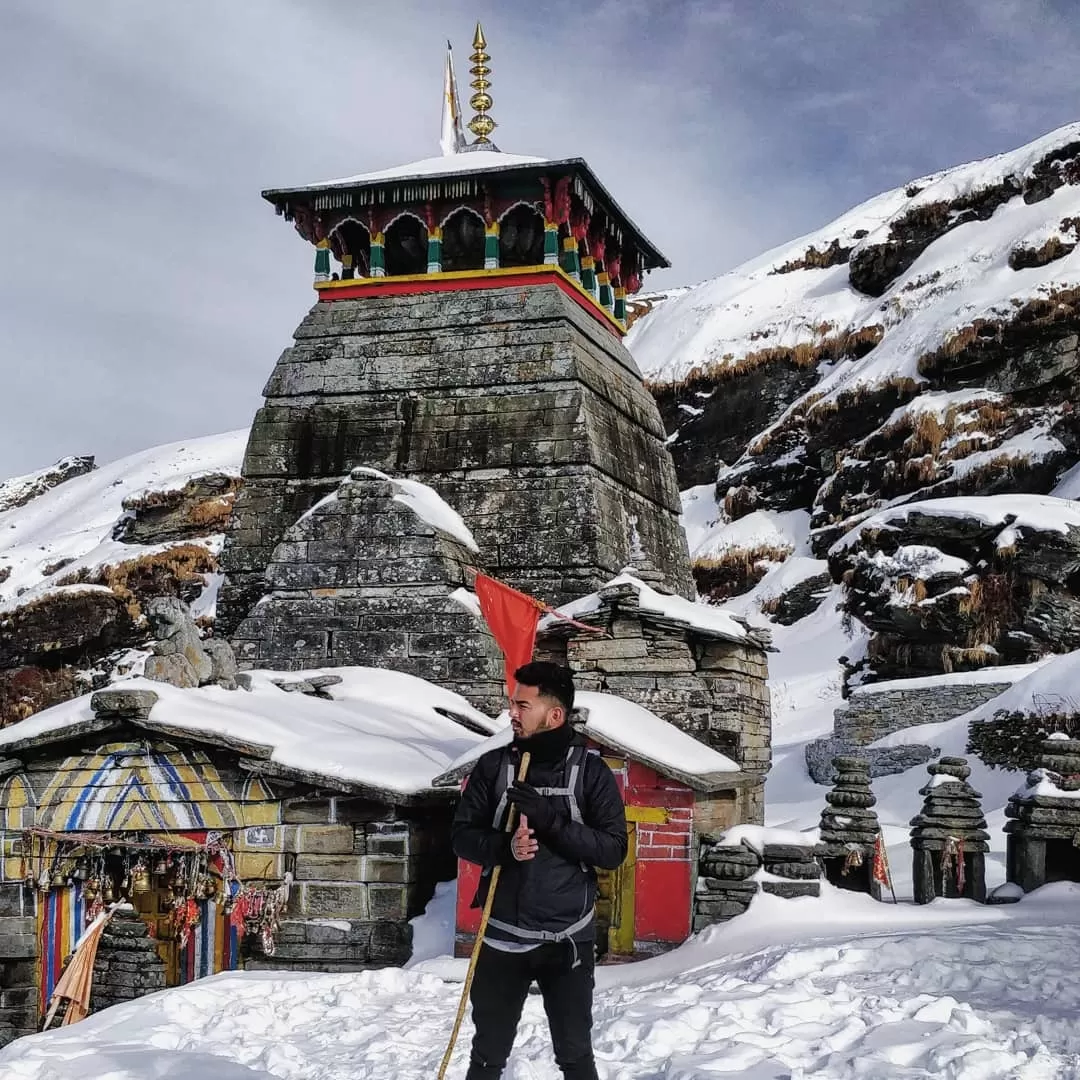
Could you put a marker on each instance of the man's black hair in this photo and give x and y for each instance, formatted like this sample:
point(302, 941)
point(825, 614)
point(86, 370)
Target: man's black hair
point(552, 680)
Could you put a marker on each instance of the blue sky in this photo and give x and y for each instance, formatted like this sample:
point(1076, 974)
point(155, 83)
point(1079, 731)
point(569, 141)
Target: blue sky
point(146, 289)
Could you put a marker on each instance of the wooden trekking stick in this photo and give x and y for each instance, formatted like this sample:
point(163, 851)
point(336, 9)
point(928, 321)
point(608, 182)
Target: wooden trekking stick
point(523, 769)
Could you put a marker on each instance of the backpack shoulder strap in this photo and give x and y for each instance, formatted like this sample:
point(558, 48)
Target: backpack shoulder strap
point(504, 777)
point(576, 760)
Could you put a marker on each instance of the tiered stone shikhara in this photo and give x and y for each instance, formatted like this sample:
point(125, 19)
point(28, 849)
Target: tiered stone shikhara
point(949, 836)
point(471, 340)
point(1044, 830)
point(849, 828)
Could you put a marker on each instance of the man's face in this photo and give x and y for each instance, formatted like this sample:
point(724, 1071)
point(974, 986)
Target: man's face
point(531, 712)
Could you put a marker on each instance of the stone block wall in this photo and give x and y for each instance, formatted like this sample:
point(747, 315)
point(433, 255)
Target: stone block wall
point(716, 691)
point(18, 960)
point(525, 414)
point(872, 714)
point(357, 880)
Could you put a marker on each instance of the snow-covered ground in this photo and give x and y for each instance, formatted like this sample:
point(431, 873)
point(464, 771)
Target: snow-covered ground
point(833, 988)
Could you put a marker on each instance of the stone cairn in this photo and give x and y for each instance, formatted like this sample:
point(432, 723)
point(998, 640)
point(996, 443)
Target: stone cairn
point(729, 877)
point(127, 965)
point(1043, 842)
point(724, 888)
point(849, 828)
point(949, 837)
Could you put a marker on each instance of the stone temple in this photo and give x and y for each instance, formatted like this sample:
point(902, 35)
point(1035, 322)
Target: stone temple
point(467, 334)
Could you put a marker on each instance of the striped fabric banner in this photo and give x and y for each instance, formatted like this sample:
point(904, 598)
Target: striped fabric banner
point(61, 921)
point(213, 946)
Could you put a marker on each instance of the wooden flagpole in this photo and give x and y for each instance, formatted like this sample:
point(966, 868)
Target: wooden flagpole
point(522, 770)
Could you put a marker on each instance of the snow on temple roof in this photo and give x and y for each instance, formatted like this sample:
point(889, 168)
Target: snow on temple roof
point(426, 503)
point(385, 731)
point(631, 729)
point(471, 162)
point(702, 617)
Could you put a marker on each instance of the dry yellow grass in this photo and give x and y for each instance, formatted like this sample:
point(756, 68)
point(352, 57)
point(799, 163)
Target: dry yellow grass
point(954, 655)
point(150, 575)
point(1057, 306)
point(812, 259)
point(735, 570)
point(847, 344)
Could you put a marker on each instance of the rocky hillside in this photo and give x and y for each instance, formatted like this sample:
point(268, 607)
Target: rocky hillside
point(923, 346)
point(81, 551)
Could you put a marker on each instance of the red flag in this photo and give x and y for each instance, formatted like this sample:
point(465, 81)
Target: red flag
point(511, 617)
point(879, 868)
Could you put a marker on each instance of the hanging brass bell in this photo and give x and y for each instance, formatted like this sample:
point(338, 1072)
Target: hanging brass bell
point(161, 866)
point(58, 879)
point(91, 889)
point(140, 878)
point(108, 895)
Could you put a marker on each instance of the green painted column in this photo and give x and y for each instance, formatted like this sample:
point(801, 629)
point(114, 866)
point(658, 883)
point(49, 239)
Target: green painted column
point(322, 260)
point(551, 243)
point(378, 260)
point(570, 261)
point(434, 251)
point(607, 297)
point(491, 247)
point(588, 273)
point(620, 305)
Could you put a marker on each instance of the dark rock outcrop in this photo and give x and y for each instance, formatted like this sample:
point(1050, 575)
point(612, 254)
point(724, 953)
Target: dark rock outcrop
point(954, 591)
point(20, 490)
point(200, 508)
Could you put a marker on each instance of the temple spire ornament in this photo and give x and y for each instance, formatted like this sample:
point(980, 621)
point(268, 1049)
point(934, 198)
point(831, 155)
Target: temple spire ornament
point(481, 125)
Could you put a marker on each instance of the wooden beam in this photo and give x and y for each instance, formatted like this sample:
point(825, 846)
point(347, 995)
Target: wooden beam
point(274, 770)
point(207, 738)
point(67, 733)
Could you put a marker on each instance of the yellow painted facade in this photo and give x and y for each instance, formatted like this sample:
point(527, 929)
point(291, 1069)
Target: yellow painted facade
point(124, 787)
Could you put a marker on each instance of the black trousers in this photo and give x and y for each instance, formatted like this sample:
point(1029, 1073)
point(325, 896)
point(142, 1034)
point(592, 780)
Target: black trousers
point(499, 989)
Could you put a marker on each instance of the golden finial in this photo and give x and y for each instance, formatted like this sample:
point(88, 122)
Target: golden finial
point(481, 125)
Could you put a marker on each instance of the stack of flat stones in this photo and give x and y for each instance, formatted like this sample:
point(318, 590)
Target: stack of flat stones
point(951, 819)
point(728, 877)
point(849, 825)
point(796, 865)
point(724, 888)
point(1044, 817)
point(127, 965)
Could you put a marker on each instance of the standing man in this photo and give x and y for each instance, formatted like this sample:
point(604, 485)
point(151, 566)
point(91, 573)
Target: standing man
point(543, 920)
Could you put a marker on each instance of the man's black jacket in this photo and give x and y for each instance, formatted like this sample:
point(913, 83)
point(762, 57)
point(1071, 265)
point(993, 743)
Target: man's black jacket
point(551, 891)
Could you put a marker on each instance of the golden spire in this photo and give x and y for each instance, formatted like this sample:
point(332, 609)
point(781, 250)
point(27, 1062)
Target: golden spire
point(481, 125)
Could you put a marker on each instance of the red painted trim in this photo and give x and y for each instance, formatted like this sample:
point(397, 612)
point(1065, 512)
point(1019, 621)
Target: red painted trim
point(390, 287)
